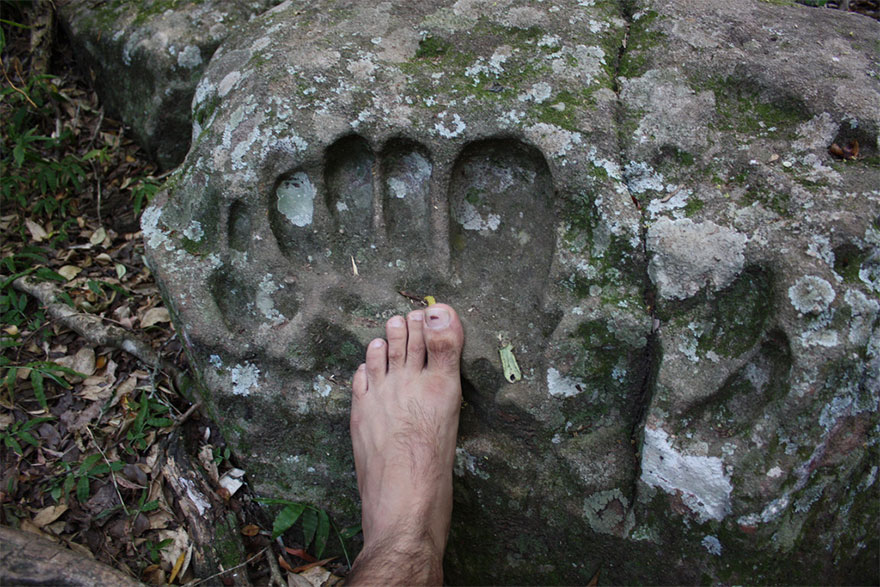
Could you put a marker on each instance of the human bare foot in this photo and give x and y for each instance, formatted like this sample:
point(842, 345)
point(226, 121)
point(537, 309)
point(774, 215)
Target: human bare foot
point(404, 422)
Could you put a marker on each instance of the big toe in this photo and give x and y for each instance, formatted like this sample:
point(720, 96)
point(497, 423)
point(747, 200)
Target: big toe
point(444, 338)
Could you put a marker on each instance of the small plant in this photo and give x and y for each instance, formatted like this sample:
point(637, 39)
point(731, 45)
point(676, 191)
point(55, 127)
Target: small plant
point(20, 432)
point(315, 524)
point(80, 478)
point(39, 372)
point(150, 413)
point(154, 549)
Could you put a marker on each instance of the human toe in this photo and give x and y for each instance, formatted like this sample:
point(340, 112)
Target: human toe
point(415, 344)
point(396, 333)
point(377, 361)
point(444, 338)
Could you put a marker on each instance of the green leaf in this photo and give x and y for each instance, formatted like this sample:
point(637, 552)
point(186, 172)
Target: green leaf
point(31, 424)
point(13, 444)
point(322, 534)
point(160, 422)
point(46, 273)
point(28, 438)
point(150, 506)
point(82, 489)
point(39, 392)
point(286, 518)
point(89, 463)
point(350, 532)
point(310, 526)
point(68, 484)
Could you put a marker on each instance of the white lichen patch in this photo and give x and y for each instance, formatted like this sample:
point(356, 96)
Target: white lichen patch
point(244, 378)
point(701, 481)
point(194, 231)
point(538, 93)
point(712, 545)
point(265, 303)
point(190, 57)
point(321, 386)
point(455, 128)
point(811, 295)
point(466, 462)
point(559, 385)
point(296, 199)
point(470, 219)
point(687, 256)
point(640, 178)
point(153, 235)
point(228, 82)
point(863, 315)
point(605, 511)
point(552, 139)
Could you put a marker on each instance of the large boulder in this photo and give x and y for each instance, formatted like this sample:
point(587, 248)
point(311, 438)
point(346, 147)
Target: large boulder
point(640, 202)
point(146, 57)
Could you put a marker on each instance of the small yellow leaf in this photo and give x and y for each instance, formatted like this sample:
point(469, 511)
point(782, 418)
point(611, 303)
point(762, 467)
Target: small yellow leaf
point(430, 299)
point(120, 270)
point(68, 272)
point(11, 330)
point(176, 568)
point(509, 364)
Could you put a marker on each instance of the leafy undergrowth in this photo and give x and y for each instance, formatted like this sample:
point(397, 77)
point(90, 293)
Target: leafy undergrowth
point(84, 427)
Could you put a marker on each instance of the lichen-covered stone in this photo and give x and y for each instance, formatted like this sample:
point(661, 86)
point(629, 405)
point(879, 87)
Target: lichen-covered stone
point(146, 56)
point(622, 193)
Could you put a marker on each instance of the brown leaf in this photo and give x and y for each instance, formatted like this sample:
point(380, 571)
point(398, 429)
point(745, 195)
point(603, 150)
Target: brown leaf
point(49, 514)
point(250, 530)
point(319, 563)
point(301, 553)
point(284, 564)
point(154, 316)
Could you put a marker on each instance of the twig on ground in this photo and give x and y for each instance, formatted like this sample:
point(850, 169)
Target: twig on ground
point(274, 569)
point(186, 415)
point(223, 572)
point(112, 473)
point(93, 329)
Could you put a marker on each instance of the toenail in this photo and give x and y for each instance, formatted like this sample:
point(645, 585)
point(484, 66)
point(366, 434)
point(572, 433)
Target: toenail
point(418, 316)
point(396, 322)
point(437, 317)
point(378, 343)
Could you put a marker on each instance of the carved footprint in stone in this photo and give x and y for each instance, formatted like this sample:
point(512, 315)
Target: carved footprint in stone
point(371, 228)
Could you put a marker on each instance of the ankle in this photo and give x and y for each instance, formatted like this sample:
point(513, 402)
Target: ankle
point(403, 557)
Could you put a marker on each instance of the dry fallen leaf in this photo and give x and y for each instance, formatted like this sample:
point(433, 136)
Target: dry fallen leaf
point(250, 530)
point(49, 514)
point(38, 233)
point(154, 316)
point(98, 236)
point(82, 362)
point(68, 272)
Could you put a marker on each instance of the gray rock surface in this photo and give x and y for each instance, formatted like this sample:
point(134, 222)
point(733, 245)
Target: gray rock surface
point(146, 56)
point(639, 199)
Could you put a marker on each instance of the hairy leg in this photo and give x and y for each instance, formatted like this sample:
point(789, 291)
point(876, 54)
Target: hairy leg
point(404, 422)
